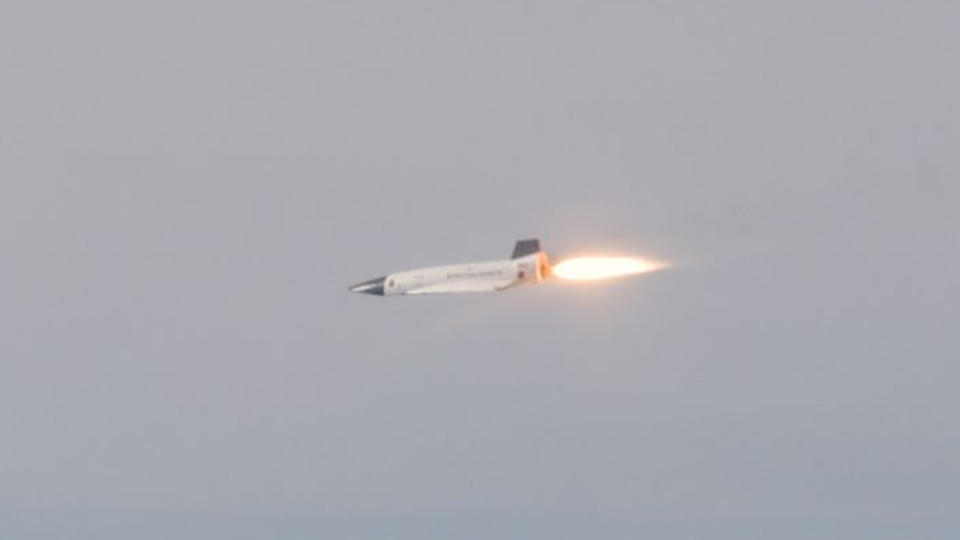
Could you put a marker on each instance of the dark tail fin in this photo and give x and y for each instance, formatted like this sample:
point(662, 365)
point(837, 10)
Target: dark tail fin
point(526, 247)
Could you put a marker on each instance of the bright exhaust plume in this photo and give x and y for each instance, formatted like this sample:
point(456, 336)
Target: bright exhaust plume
point(587, 268)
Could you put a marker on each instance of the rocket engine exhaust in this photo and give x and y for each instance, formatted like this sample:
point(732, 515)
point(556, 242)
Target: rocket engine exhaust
point(594, 268)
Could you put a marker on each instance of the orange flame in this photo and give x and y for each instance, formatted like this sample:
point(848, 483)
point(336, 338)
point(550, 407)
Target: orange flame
point(585, 268)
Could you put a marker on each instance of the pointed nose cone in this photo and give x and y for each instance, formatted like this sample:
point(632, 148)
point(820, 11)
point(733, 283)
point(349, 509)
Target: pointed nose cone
point(372, 286)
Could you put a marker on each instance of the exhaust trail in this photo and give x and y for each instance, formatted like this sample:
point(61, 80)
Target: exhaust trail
point(593, 268)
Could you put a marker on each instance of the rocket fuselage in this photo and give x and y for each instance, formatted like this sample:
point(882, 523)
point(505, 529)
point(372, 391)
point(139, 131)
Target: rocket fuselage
point(529, 265)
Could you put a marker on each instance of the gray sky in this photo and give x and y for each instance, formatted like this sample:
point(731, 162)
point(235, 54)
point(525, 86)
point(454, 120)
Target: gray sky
point(187, 188)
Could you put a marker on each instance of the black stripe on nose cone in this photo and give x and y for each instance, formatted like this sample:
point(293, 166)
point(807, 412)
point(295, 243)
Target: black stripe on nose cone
point(371, 286)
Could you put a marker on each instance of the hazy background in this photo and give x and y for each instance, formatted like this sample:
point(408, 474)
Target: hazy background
point(187, 189)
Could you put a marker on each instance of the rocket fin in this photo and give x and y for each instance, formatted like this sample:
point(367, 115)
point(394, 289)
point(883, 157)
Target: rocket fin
point(526, 247)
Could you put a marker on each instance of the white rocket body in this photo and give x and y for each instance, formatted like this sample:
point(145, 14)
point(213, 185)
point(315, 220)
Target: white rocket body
point(527, 265)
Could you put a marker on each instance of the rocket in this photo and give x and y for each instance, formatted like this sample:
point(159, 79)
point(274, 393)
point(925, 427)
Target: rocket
point(527, 265)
